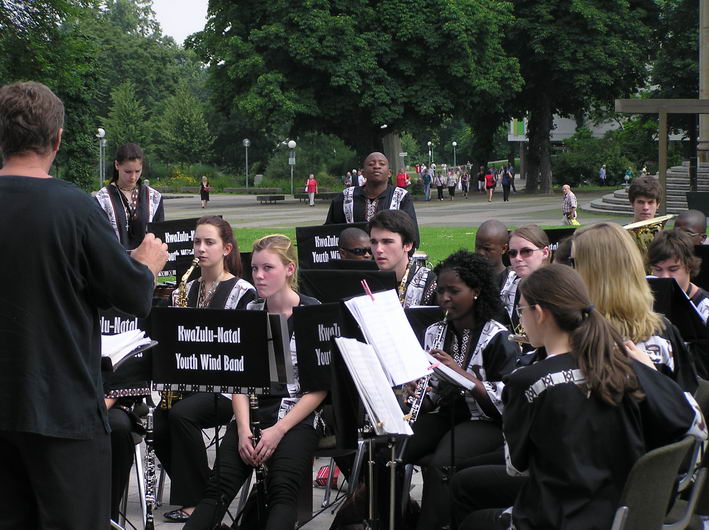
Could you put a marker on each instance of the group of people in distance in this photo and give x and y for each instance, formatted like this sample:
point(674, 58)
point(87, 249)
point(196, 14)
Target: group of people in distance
point(544, 438)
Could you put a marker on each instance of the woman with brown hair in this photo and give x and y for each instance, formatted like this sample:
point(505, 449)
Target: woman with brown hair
point(577, 420)
point(608, 260)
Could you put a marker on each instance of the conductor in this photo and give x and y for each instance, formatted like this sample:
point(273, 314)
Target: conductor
point(63, 262)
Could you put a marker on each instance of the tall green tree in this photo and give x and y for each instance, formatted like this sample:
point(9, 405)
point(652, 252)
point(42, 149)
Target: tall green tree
point(348, 67)
point(182, 132)
point(574, 54)
point(126, 121)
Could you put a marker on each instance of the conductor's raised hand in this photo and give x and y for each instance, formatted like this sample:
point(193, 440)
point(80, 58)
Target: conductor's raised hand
point(246, 447)
point(152, 253)
point(270, 438)
point(443, 358)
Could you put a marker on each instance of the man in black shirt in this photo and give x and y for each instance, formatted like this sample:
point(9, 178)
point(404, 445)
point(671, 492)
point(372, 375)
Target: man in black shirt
point(359, 203)
point(61, 263)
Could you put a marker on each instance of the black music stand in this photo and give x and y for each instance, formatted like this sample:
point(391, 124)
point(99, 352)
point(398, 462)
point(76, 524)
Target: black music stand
point(214, 350)
point(353, 264)
point(317, 245)
point(334, 285)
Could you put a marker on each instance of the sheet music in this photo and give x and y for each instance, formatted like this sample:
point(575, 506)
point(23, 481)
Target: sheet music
point(373, 387)
point(448, 374)
point(118, 346)
point(387, 329)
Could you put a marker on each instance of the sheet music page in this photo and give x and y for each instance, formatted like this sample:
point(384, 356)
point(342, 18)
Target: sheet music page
point(116, 347)
point(373, 387)
point(447, 374)
point(387, 329)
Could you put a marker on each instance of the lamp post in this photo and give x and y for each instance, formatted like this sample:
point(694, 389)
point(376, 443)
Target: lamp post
point(100, 133)
point(430, 153)
point(246, 142)
point(291, 162)
point(455, 161)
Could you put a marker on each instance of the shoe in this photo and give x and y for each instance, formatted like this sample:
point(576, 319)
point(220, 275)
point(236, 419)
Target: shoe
point(176, 516)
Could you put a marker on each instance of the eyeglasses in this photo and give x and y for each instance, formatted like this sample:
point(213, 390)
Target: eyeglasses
point(358, 251)
point(523, 252)
point(520, 308)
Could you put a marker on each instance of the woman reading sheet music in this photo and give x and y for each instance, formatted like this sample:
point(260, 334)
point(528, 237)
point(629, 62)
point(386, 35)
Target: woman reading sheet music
point(612, 268)
point(578, 419)
point(288, 436)
point(178, 429)
point(476, 346)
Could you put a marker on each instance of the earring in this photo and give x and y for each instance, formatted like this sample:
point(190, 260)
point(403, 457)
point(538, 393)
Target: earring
point(475, 297)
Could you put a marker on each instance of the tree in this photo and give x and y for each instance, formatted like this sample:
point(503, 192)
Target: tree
point(573, 55)
point(327, 66)
point(182, 131)
point(126, 121)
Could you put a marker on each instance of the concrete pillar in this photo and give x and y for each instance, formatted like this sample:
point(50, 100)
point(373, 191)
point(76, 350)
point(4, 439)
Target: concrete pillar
point(703, 145)
point(662, 144)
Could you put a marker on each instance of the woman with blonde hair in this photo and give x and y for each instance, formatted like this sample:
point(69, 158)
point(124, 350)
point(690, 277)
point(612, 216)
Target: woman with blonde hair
point(287, 415)
point(610, 264)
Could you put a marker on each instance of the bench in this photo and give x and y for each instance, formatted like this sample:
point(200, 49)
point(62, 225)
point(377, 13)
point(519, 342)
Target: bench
point(270, 199)
point(325, 195)
point(253, 191)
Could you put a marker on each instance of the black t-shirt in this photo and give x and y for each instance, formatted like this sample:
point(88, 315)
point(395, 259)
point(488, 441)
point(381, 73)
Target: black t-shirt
point(61, 263)
point(577, 449)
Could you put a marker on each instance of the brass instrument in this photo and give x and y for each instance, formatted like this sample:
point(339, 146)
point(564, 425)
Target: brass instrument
point(169, 397)
point(519, 336)
point(643, 232)
point(261, 494)
point(415, 401)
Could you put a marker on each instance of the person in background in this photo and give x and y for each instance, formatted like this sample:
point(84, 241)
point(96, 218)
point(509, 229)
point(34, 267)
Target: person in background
point(402, 178)
point(568, 208)
point(490, 183)
point(204, 189)
point(452, 182)
point(491, 241)
point(426, 180)
point(602, 175)
point(506, 181)
point(311, 187)
point(465, 182)
point(129, 204)
point(439, 180)
point(694, 223)
point(645, 196)
point(354, 244)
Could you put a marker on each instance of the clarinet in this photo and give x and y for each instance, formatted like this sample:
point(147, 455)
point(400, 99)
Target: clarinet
point(149, 472)
point(261, 493)
point(416, 399)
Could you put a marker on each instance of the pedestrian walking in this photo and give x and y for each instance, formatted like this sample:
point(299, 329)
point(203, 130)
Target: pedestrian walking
point(204, 189)
point(602, 175)
point(452, 182)
point(440, 182)
point(426, 180)
point(568, 208)
point(465, 182)
point(506, 181)
point(490, 183)
point(311, 187)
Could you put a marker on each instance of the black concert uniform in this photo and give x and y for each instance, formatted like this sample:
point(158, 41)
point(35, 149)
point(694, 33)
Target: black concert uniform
point(178, 431)
point(578, 450)
point(292, 458)
point(54, 441)
point(419, 287)
point(489, 355)
point(129, 224)
point(353, 206)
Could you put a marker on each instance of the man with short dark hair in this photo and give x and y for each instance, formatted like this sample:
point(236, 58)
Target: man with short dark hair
point(491, 241)
point(354, 244)
point(357, 204)
point(392, 235)
point(694, 223)
point(62, 263)
point(645, 196)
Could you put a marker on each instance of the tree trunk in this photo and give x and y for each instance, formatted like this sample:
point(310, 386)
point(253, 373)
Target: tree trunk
point(539, 157)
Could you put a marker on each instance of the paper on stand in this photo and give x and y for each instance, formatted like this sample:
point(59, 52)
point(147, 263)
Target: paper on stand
point(387, 329)
point(449, 375)
point(117, 347)
point(369, 378)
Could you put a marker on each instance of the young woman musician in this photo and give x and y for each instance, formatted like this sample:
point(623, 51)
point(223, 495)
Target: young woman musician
point(288, 437)
point(610, 264)
point(178, 430)
point(129, 204)
point(528, 250)
point(577, 420)
point(472, 343)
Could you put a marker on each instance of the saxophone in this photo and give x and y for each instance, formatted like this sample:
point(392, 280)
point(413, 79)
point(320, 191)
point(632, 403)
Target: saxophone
point(416, 399)
point(261, 494)
point(169, 397)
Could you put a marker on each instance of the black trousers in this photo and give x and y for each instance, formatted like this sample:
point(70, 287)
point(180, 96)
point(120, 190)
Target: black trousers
point(440, 192)
point(505, 192)
point(451, 191)
point(54, 483)
point(180, 447)
point(483, 488)
point(473, 440)
point(290, 461)
point(122, 451)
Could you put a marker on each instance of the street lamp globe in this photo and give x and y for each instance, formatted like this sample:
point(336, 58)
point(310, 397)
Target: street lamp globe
point(246, 142)
point(291, 144)
point(455, 144)
point(100, 132)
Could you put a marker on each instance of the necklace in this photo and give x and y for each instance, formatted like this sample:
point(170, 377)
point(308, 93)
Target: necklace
point(204, 297)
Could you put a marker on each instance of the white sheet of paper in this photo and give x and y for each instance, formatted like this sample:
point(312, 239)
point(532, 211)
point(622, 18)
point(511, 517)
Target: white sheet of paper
point(447, 374)
point(387, 329)
point(116, 347)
